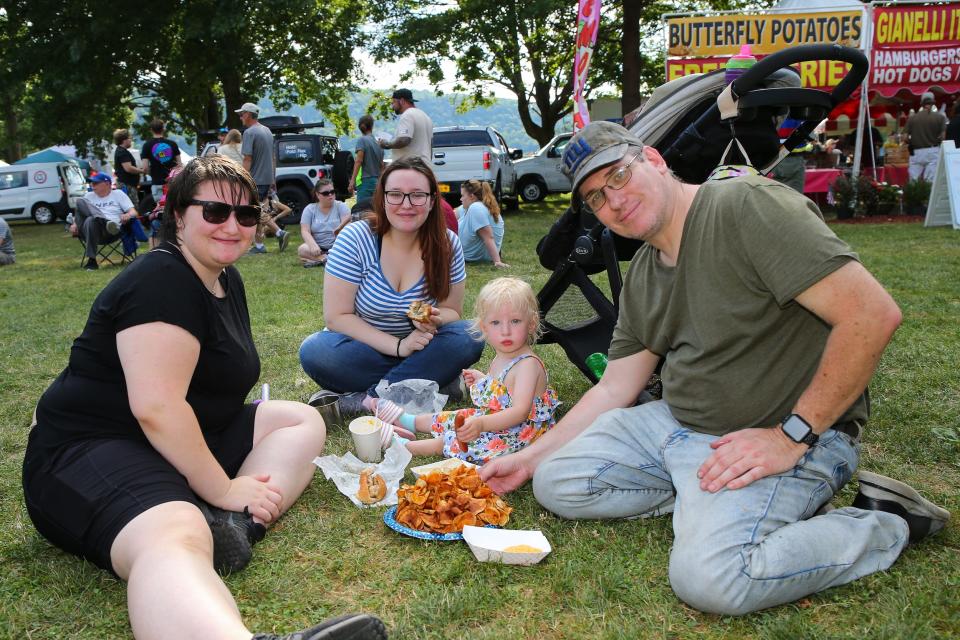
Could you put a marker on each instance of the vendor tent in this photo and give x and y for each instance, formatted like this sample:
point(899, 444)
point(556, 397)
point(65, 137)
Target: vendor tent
point(49, 155)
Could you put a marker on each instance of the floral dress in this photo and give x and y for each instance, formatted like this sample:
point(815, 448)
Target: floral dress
point(490, 395)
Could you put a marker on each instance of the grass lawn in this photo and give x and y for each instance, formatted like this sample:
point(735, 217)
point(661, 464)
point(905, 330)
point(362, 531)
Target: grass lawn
point(603, 580)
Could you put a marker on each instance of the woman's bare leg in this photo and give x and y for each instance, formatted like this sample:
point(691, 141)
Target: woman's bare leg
point(166, 556)
point(287, 436)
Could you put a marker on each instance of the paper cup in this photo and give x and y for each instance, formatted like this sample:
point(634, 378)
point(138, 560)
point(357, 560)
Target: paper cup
point(366, 438)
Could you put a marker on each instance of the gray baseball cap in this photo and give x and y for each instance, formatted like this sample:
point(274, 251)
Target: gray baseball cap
point(927, 98)
point(597, 145)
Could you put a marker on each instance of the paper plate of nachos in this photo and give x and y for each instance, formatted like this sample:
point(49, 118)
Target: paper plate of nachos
point(439, 505)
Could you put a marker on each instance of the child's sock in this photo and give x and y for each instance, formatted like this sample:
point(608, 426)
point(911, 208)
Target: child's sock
point(387, 411)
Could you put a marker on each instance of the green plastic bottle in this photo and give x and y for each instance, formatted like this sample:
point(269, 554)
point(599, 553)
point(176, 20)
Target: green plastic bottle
point(597, 363)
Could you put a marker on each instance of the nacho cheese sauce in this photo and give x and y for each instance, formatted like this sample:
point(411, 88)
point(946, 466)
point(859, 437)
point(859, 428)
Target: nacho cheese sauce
point(364, 424)
point(522, 548)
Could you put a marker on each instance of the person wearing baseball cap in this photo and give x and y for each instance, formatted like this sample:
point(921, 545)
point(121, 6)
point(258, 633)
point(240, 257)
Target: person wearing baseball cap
point(257, 149)
point(925, 131)
point(100, 214)
point(769, 328)
point(414, 134)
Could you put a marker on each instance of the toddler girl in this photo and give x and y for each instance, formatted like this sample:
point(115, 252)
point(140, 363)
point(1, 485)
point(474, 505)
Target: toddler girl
point(514, 402)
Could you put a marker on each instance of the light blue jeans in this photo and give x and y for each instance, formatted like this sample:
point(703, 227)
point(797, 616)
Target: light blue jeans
point(340, 363)
point(734, 551)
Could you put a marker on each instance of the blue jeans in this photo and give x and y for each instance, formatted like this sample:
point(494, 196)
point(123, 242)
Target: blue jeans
point(366, 188)
point(340, 363)
point(734, 551)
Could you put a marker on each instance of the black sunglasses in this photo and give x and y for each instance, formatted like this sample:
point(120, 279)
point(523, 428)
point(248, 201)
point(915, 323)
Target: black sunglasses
point(214, 212)
point(326, 193)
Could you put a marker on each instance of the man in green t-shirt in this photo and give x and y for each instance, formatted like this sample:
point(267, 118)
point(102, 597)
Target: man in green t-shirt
point(769, 329)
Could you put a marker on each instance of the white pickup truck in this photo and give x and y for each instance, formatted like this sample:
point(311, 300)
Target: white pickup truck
point(541, 173)
point(474, 153)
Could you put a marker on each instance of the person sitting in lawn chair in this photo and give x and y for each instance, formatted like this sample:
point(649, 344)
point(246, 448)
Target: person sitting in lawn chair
point(104, 214)
point(770, 328)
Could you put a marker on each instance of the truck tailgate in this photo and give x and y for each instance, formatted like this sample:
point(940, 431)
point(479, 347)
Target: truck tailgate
point(453, 165)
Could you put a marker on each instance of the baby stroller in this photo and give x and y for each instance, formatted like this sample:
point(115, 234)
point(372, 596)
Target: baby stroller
point(696, 126)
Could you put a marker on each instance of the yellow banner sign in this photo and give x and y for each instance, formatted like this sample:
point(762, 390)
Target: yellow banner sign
point(704, 36)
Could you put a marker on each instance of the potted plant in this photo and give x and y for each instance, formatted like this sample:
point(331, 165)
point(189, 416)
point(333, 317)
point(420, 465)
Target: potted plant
point(889, 199)
point(916, 193)
point(858, 197)
point(843, 197)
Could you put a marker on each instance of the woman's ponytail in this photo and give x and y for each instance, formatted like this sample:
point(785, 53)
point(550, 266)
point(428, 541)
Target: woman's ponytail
point(489, 201)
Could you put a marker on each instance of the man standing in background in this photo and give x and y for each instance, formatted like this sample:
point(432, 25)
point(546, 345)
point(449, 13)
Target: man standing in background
point(925, 131)
point(158, 156)
point(124, 165)
point(257, 148)
point(414, 136)
point(369, 156)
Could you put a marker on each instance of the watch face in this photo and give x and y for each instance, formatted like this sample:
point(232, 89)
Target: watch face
point(795, 428)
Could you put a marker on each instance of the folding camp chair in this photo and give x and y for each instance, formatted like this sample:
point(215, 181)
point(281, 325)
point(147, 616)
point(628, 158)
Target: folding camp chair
point(116, 249)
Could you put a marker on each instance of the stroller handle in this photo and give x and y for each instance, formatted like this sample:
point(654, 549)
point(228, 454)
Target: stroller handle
point(752, 78)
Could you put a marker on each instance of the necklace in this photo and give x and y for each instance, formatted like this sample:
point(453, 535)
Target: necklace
point(212, 289)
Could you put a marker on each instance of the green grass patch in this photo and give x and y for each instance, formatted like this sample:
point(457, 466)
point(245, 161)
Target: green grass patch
point(603, 580)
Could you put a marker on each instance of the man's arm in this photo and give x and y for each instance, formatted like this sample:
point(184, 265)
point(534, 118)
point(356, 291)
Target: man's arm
point(130, 168)
point(862, 318)
point(619, 387)
point(247, 162)
point(396, 143)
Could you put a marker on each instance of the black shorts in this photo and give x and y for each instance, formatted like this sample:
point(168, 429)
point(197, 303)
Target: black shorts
point(83, 496)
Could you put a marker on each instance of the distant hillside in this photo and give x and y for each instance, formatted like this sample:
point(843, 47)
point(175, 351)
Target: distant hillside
point(502, 116)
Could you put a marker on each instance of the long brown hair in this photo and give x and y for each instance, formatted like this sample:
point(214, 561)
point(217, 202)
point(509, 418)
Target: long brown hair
point(435, 249)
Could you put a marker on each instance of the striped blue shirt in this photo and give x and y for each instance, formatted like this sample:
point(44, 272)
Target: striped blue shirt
point(354, 258)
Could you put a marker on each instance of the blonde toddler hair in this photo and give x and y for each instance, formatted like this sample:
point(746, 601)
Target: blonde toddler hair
point(507, 291)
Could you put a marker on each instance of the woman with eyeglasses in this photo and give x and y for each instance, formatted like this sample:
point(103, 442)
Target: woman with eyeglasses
point(319, 224)
point(144, 458)
point(374, 271)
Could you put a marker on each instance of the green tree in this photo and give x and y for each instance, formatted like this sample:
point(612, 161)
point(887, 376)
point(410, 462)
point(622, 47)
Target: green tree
point(216, 53)
point(525, 46)
point(73, 70)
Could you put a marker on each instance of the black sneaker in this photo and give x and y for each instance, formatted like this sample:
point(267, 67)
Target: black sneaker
point(91, 265)
point(354, 626)
point(880, 493)
point(234, 535)
point(456, 390)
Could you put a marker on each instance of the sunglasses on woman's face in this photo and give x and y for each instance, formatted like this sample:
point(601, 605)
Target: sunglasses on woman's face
point(326, 193)
point(215, 212)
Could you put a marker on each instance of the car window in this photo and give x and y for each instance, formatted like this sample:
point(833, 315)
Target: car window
point(295, 152)
point(74, 175)
point(328, 149)
point(560, 146)
point(13, 179)
point(460, 138)
point(503, 143)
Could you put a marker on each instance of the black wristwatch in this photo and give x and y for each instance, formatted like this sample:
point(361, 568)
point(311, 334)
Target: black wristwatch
point(799, 430)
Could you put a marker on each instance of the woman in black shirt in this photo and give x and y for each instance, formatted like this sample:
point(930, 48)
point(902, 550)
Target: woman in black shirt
point(144, 458)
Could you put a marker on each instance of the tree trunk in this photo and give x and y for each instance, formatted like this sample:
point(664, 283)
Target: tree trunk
point(212, 113)
point(14, 149)
point(630, 49)
point(232, 95)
